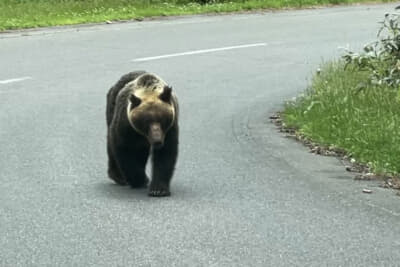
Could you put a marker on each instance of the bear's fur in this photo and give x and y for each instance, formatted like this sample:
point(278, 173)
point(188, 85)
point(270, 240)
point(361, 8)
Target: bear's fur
point(142, 118)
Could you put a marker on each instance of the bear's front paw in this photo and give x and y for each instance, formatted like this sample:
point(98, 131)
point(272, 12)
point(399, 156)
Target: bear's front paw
point(157, 190)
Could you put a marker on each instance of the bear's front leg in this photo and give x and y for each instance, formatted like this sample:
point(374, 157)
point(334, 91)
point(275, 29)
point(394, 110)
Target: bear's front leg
point(164, 160)
point(132, 165)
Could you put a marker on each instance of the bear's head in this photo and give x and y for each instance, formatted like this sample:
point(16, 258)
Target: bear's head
point(151, 113)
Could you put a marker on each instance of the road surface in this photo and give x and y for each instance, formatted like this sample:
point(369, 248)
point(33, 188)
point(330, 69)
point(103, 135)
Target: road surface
point(242, 195)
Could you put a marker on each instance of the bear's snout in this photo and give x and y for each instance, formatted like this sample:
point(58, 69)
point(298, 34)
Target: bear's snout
point(156, 136)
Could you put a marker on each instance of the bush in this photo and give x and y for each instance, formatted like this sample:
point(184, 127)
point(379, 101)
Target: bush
point(382, 57)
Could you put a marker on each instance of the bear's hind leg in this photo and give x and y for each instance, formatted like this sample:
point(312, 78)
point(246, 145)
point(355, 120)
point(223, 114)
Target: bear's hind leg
point(132, 166)
point(113, 170)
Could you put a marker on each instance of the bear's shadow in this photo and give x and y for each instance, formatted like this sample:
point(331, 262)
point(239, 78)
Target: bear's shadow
point(112, 190)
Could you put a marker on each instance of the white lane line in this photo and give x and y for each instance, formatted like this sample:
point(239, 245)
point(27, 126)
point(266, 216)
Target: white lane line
point(15, 80)
point(195, 52)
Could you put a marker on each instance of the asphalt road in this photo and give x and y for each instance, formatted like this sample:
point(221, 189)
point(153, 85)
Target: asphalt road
point(242, 195)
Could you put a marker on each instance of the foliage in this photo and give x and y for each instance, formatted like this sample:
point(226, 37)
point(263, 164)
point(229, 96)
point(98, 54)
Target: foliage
point(382, 57)
point(366, 123)
point(354, 104)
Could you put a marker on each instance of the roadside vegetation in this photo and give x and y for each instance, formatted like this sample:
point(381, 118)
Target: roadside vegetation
point(354, 103)
point(17, 14)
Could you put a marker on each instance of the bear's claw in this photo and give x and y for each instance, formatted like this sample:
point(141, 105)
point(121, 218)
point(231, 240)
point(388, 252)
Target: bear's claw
point(159, 191)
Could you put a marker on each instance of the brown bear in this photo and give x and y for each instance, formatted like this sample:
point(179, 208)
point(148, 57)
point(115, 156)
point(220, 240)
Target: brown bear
point(142, 119)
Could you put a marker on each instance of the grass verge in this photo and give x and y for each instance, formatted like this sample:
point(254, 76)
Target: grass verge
point(365, 122)
point(17, 14)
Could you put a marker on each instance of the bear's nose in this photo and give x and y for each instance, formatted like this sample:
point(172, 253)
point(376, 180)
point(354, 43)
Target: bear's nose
point(156, 135)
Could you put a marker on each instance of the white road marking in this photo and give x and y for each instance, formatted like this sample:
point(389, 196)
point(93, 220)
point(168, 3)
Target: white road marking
point(15, 80)
point(195, 52)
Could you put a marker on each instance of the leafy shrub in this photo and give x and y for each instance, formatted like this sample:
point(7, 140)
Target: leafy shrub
point(382, 57)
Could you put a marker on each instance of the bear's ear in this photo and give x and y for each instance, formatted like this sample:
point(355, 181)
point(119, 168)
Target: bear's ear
point(135, 101)
point(166, 94)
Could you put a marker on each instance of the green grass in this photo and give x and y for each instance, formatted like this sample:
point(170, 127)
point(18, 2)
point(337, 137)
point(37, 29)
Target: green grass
point(17, 14)
point(365, 123)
